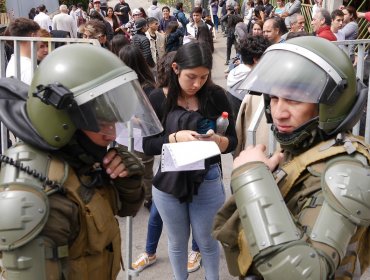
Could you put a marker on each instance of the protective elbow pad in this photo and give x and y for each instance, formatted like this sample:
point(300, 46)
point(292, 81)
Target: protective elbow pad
point(274, 241)
point(294, 261)
point(346, 187)
point(265, 218)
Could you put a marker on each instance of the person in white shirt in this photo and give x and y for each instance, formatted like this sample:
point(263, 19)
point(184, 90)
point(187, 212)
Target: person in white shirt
point(157, 41)
point(251, 49)
point(22, 27)
point(291, 8)
point(192, 27)
point(81, 15)
point(43, 19)
point(317, 6)
point(65, 22)
point(72, 11)
point(97, 7)
point(350, 27)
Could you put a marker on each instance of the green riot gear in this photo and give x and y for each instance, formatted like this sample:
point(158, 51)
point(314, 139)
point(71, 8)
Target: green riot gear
point(321, 184)
point(93, 91)
point(313, 70)
point(54, 181)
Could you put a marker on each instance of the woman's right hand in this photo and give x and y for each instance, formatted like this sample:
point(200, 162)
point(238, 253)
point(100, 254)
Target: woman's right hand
point(184, 136)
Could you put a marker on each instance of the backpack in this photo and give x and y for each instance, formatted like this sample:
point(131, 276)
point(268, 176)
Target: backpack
point(80, 19)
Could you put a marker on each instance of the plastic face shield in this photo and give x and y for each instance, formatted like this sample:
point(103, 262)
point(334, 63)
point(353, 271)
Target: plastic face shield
point(295, 75)
point(111, 106)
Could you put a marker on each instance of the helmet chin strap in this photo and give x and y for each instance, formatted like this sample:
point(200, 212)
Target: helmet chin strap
point(300, 139)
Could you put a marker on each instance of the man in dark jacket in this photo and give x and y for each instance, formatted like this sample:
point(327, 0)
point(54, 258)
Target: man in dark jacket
point(142, 42)
point(123, 11)
point(268, 8)
point(222, 5)
point(231, 20)
point(180, 15)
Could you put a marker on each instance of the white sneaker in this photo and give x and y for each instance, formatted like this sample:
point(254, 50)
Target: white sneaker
point(143, 261)
point(194, 261)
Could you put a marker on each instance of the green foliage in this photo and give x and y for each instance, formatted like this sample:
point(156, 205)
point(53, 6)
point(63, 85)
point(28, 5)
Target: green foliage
point(73, 2)
point(2, 6)
point(188, 4)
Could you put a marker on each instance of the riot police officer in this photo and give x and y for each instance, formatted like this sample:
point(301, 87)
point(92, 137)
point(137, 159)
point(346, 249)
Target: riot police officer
point(304, 211)
point(60, 186)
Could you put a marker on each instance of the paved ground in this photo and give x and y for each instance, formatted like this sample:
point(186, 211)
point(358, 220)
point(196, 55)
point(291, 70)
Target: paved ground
point(162, 268)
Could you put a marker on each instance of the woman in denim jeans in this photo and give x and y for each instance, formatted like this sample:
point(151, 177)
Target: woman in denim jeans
point(155, 223)
point(190, 199)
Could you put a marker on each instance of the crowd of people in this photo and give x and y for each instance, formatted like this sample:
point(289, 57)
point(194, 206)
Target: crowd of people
point(276, 23)
point(172, 56)
point(282, 23)
point(286, 21)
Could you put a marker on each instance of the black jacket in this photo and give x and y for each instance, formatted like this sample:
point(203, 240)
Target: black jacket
point(174, 40)
point(141, 41)
point(183, 185)
point(231, 21)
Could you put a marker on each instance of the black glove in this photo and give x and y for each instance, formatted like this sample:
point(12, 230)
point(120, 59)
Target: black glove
point(132, 163)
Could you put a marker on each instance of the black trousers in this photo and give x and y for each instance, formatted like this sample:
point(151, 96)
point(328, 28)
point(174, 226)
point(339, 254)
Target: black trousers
point(229, 42)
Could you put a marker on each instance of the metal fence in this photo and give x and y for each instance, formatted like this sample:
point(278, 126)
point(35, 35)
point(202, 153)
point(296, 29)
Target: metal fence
point(362, 67)
point(14, 43)
point(306, 11)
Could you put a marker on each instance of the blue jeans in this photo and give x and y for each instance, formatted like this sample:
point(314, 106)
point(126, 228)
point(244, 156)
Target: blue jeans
point(215, 21)
point(155, 225)
point(198, 214)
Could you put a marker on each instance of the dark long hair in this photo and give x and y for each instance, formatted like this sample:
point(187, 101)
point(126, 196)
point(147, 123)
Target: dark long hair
point(118, 42)
point(188, 56)
point(133, 58)
point(164, 69)
point(204, 35)
point(143, 13)
point(96, 15)
point(32, 13)
point(171, 27)
point(115, 21)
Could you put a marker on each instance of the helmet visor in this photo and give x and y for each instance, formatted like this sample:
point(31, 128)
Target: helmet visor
point(123, 106)
point(288, 75)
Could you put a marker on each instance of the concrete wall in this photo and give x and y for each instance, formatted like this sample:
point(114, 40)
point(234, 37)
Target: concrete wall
point(20, 8)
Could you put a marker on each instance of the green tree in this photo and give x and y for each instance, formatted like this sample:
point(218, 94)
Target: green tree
point(188, 4)
point(73, 2)
point(2, 6)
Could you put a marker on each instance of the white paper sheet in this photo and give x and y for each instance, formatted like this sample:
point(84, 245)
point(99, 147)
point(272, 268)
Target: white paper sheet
point(187, 155)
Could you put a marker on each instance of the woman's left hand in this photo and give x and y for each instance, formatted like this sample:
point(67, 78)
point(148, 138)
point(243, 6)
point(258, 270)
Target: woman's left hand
point(185, 136)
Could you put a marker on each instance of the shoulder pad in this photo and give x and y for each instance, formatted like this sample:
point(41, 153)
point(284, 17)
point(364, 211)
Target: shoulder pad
point(29, 166)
